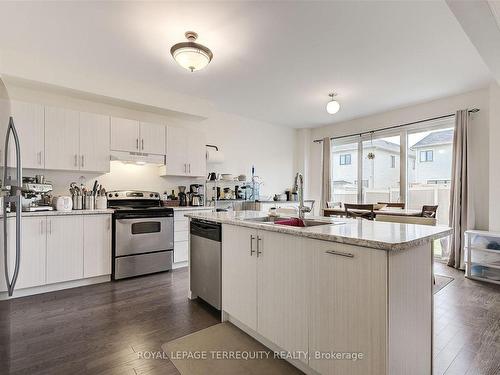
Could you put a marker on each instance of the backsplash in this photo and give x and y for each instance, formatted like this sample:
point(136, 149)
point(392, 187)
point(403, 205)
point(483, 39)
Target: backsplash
point(120, 177)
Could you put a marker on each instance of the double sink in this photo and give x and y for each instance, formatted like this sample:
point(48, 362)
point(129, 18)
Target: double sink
point(291, 221)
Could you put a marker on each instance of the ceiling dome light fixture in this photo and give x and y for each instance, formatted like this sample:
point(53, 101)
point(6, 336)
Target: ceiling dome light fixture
point(191, 55)
point(332, 106)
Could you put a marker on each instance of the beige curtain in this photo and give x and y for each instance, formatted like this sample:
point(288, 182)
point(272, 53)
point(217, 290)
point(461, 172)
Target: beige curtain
point(459, 194)
point(326, 173)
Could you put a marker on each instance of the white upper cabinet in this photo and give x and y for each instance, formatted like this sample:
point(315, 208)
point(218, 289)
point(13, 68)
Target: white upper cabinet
point(186, 154)
point(135, 136)
point(29, 123)
point(94, 142)
point(62, 144)
point(177, 149)
point(152, 138)
point(125, 134)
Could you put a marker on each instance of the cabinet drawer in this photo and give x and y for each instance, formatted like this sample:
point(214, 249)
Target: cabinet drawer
point(180, 251)
point(181, 225)
point(181, 236)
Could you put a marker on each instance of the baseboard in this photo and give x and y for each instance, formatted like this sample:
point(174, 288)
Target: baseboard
point(179, 265)
point(54, 287)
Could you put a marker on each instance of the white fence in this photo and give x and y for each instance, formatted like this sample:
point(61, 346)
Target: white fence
point(417, 197)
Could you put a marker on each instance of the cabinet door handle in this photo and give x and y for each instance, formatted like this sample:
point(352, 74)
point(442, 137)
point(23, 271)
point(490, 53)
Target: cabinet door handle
point(41, 227)
point(109, 224)
point(76, 160)
point(39, 154)
point(50, 226)
point(185, 168)
point(333, 252)
point(259, 252)
point(189, 167)
point(251, 245)
point(142, 143)
point(83, 161)
point(137, 143)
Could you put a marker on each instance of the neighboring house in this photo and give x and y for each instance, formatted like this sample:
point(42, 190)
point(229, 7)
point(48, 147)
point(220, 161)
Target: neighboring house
point(433, 158)
point(381, 172)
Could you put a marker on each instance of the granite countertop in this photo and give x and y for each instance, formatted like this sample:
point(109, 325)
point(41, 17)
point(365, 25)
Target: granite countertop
point(61, 213)
point(192, 208)
point(359, 232)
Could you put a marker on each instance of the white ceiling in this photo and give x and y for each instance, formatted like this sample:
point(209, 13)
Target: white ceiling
point(273, 61)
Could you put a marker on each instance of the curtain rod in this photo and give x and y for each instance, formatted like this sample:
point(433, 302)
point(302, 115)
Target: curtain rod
point(474, 110)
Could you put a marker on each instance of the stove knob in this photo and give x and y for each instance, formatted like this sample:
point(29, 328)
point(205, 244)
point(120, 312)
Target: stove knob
point(116, 195)
point(156, 195)
point(151, 195)
point(110, 195)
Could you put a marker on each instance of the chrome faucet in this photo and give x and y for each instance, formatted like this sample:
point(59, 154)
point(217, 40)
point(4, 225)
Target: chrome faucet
point(299, 186)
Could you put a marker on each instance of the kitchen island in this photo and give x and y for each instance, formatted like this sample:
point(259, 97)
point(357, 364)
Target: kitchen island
point(341, 296)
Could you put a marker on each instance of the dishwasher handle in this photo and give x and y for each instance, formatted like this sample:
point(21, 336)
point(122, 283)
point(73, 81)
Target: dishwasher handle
point(206, 229)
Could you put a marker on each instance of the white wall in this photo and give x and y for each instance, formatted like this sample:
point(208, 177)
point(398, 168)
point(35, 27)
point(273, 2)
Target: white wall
point(479, 140)
point(248, 143)
point(494, 157)
point(245, 142)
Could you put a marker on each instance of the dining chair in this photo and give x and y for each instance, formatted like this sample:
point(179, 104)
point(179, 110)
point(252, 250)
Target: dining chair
point(367, 208)
point(393, 204)
point(429, 211)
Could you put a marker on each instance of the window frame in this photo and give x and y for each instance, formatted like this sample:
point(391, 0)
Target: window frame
point(346, 161)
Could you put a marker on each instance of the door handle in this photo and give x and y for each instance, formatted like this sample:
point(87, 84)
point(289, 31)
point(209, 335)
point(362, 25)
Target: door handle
point(41, 227)
point(76, 160)
point(109, 224)
point(39, 154)
point(333, 252)
point(83, 161)
point(259, 252)
point(252, 237)
point(137, 143)
point(142, 143)
point(189, 167)
point(50, 226)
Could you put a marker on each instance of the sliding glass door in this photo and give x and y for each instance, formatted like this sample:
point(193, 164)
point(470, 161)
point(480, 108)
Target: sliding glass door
point(410, 165)
point(381, 170)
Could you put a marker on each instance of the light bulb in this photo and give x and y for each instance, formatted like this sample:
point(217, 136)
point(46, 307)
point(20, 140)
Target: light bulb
point(332, 107)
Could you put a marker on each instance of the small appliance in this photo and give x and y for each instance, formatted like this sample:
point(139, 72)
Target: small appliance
point(182, 196)
point(35, 195)
point(62, 203)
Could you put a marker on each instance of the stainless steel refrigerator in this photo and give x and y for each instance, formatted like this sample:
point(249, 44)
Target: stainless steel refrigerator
point(11, 190)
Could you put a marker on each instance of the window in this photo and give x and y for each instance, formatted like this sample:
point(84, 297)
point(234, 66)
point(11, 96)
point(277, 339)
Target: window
point(426, 156)
point(345, 159)
point(393, 161)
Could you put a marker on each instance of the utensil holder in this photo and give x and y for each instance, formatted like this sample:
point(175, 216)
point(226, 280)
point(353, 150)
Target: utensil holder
point(77, 202)
point(101, 202)
point(89, 202)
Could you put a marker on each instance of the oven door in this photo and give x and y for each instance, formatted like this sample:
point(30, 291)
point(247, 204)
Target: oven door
point(143, 235)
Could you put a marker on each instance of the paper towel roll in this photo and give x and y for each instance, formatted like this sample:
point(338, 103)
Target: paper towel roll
point(214, 156)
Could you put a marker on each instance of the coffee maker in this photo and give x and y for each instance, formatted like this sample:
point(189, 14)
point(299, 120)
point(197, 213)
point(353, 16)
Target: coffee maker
point(196, 197)
point(182, 196)
point(35, 194)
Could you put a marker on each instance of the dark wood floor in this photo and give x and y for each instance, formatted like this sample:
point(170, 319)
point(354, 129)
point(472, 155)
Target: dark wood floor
point(101, 329)
point(466, 326)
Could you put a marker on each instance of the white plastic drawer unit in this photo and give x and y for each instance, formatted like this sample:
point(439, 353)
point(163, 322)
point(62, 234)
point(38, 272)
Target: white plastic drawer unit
point(482, 256)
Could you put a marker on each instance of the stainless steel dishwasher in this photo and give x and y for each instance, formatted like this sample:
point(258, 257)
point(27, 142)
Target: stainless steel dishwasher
point(206, 261)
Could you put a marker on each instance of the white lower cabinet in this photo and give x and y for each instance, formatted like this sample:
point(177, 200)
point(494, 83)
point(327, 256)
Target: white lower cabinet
point(348, 307)
point(33, 257)
point(58, 248)
point(308, 296)
point(181, 234)
point(283, 279)
point(239, 274)
point(96, 245)
point(64, 248)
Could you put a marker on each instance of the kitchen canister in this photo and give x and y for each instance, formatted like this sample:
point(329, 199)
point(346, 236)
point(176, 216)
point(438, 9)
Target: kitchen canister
point(77, 202)
point(101, 202)
point(89, 202)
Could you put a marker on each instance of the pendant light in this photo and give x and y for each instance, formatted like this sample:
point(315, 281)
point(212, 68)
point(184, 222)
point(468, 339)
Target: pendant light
point(332, 106)
point(191, 55)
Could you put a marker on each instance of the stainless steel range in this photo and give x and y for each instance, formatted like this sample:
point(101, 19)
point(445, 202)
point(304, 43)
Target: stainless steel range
point(143, 233)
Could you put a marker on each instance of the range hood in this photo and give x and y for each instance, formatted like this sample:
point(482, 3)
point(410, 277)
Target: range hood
point(137, 157)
